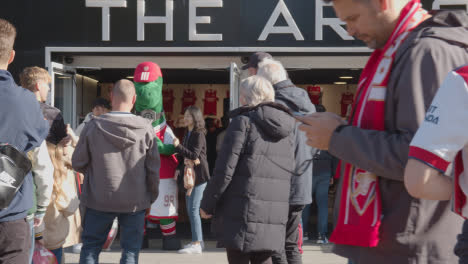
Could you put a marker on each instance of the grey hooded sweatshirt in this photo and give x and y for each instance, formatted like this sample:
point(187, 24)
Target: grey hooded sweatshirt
point(413, 231)
point(118, 155)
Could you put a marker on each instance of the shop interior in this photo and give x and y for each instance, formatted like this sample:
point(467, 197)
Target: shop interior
point(209, 89)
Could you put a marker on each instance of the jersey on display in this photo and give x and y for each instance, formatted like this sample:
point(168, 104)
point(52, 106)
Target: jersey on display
point(168, 100)
point(211, 102)
point(188, 99)
point(346, 100)
point(315, 93)
point(443, 139)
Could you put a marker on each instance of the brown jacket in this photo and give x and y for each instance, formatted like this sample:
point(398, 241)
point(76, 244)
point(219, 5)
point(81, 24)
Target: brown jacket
point(413, 231)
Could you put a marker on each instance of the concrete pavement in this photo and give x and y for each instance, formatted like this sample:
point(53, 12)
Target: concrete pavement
point(313, 254)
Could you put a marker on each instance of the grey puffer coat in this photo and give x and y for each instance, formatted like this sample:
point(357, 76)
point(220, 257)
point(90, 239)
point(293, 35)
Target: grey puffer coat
point(249, 191)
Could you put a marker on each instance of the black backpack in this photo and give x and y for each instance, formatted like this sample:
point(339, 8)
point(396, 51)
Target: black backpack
point(14, 166)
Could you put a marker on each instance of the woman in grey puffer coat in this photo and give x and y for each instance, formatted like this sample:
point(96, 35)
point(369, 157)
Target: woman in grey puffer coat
point(249, 191)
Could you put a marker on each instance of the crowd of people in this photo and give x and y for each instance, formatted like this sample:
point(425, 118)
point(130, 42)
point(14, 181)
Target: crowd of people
point(399, 158)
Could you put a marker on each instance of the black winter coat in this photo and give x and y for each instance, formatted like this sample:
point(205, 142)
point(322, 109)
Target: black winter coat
point(249, 191)
point(194, 148)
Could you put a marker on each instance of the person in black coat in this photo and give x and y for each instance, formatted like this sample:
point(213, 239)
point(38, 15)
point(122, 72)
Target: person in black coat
point(193, 149)
point(248, 194)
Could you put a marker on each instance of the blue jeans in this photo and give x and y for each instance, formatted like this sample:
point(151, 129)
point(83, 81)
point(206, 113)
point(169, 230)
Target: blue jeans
point(96, 227)
point(320, 187)
point(33, 240)
point(193, 209)
point(305, 220)
point(320, 192)
point(58, 254)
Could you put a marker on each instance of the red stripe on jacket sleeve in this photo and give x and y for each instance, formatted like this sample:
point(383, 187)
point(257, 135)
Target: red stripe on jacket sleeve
point(428, 157)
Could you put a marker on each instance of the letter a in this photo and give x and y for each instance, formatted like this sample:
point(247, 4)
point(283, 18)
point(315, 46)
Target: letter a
point(281, 9)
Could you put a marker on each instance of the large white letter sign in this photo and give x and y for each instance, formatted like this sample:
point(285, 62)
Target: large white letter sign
point(106, 5)
point(334, 23)
point(281, 9)
point(142, 20)
point(194, 20)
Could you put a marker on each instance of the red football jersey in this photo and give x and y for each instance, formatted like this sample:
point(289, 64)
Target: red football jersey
point(168, 100)
point(211, 102)
point(188, 99)
point(346, 99)
point(315, 93)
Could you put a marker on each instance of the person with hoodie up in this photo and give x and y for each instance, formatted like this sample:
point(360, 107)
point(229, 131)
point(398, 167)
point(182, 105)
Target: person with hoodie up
point(248, 194)
point(297, 101)
point(118, 154)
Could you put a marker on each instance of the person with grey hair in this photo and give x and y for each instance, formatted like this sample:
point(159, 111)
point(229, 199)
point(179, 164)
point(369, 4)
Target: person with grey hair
point(118, 154)
point(296, 100)
point(248, 194)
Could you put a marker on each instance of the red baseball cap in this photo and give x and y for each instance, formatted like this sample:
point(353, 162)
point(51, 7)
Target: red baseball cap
point(147, 72)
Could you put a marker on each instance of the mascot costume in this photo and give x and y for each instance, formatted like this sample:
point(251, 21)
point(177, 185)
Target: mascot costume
point(149, 104)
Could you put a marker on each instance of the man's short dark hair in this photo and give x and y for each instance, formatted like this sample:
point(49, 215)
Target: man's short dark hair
point(102, 102)
point(255, 59)
point(7, 40)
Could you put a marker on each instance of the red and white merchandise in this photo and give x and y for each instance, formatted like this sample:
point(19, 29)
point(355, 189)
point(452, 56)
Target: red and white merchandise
point(211, 102)
point(442, 138)
point(168, 100)
point(315, 94)
point(347, 99)
point(111, 236)
point(42, 255)
point(188, 99)
point(360, 205)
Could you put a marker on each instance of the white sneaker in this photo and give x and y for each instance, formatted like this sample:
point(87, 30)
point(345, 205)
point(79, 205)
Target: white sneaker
point(190, 244)
point(77, 248)
point(191, 249)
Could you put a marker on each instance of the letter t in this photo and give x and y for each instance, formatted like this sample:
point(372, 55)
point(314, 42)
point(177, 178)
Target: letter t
point(106, 5)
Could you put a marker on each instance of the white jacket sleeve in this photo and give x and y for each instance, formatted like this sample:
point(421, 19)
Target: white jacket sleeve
point(43, 176)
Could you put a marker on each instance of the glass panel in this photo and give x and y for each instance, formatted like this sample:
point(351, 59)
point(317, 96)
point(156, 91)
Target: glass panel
point(63, 98)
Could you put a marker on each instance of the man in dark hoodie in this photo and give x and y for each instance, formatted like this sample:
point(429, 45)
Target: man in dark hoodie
point(24, 127)
point(298, 102)
point(118, 154)
point(378, 221)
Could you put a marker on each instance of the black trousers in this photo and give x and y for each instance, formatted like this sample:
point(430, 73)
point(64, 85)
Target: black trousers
point(461, 248)
point(291, 254)
point(15, 242)
point(237, 257)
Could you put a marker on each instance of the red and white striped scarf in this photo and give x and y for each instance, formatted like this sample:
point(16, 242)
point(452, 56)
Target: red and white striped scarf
point(360, 206)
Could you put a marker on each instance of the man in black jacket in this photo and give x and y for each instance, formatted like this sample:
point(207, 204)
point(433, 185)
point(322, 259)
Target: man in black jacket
point(297, 100)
